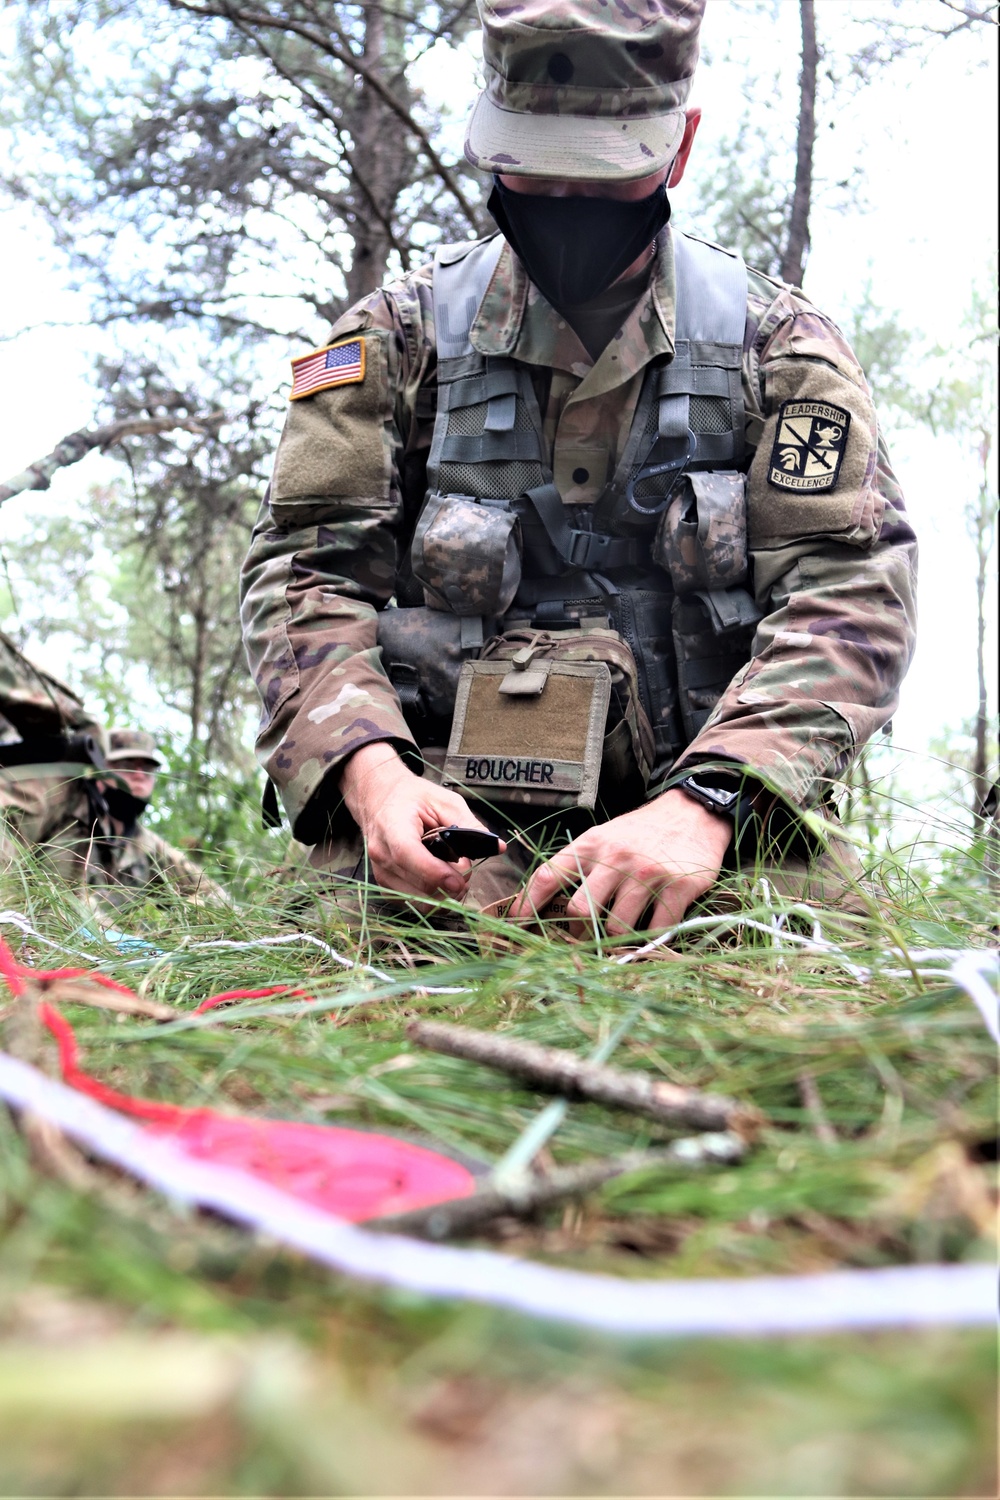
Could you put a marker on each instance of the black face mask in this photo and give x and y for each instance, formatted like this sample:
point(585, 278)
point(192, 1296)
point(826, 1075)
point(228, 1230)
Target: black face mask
point(123, 806)
point(574, 248)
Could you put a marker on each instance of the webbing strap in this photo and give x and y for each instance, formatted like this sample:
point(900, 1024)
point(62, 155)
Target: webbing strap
point(694, 380)
point(730, 609)
point(501, 414)
point(492, 446)
point(472, 390)
point(589, 550)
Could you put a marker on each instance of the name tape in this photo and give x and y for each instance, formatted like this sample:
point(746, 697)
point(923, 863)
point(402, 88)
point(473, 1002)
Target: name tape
point(500, 770)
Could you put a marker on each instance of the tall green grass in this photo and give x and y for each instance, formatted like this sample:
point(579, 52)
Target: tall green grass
point(879, 1149)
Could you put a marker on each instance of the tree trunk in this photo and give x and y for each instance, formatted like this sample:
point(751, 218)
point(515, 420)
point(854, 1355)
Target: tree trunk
point(983, 539)
point(377, 141)
point(797, 243)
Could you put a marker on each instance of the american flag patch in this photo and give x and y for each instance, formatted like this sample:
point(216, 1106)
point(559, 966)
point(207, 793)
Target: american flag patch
point(338, 364)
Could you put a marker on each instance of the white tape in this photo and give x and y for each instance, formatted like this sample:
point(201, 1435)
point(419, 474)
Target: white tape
point(338, 958)
point(118, 939)
point(908, 1296)
point(969, 972)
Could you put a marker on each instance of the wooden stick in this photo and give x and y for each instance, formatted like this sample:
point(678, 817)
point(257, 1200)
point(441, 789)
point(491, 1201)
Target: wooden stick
point(565, 1073)
point(461, 1215)
point(813, 1101)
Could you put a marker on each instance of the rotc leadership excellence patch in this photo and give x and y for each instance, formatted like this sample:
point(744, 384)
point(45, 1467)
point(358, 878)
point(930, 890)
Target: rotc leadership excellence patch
point(338, 364)
point(808, 446)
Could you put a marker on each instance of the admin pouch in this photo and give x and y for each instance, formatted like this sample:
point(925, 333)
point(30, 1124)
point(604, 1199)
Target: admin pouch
point(540, 717)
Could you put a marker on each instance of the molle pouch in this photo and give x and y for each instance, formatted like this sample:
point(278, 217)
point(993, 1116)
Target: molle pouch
point(541, 718)
point(702, 538)
point(466, 555)
point(422, 652)
point(643, 618)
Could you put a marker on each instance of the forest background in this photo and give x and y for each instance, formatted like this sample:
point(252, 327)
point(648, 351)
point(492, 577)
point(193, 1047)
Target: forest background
point(197, 187)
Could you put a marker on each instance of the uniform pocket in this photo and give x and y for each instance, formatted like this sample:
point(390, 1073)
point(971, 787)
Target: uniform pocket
point(337, 444)
point(467, 556)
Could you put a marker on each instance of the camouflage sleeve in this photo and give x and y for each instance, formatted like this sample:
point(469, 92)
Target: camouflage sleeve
point(323, 559)
point(834, 563)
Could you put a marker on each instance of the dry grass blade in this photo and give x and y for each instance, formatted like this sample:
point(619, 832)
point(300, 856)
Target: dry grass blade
point(85, 992)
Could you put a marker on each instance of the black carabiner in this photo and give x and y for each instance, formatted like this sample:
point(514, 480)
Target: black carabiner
point(676, 467)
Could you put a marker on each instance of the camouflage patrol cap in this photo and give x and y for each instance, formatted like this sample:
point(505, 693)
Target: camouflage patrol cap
point(589, 89)
point(133, 744)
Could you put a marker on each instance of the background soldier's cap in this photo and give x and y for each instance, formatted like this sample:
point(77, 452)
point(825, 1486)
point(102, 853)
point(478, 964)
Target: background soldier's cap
point(588, 89)
point(133, 744)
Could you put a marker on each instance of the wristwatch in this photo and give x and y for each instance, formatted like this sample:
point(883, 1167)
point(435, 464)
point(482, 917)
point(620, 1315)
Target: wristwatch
point(728, 801)
point(724, 800)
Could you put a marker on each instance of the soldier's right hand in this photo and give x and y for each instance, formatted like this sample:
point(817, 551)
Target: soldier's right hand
point(394, 809)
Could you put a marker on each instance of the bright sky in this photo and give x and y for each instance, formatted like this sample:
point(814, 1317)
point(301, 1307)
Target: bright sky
point(925, 132)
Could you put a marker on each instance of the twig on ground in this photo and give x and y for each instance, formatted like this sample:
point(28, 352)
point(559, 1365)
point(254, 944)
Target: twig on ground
point(565, 1073)
point(813, 1102)
point(461, 1215)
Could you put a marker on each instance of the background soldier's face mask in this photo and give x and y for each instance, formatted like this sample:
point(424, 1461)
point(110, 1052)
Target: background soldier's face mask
point(574, 248)
point(123, 806)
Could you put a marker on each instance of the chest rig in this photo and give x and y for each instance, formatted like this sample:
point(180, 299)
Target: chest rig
point(660, 559)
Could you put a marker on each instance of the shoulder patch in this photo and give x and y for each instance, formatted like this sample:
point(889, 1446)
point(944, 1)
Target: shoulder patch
point(337, 364)
point(809, 446)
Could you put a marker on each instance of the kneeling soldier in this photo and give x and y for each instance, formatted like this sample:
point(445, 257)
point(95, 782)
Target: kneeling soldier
point(586, 522)
point(51, 752)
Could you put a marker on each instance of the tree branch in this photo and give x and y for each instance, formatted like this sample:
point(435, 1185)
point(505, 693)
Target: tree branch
point(971, 16)
point(565, 1073)
point(239, 14)
point(459, 1216)
point(38, 476)
point(328, 115)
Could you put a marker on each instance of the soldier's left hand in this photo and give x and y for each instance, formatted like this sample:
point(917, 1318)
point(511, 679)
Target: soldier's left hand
point(659, 859)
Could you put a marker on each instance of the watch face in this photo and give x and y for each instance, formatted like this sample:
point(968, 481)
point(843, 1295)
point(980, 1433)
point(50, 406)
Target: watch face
point(722, 799)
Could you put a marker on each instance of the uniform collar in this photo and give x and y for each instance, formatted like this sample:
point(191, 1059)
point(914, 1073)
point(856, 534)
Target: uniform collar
point(515, 321)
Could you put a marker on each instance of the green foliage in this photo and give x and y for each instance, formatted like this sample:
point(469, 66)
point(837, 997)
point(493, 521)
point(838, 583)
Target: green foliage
point(142, 592)
point(744, 201)
point(888, 353)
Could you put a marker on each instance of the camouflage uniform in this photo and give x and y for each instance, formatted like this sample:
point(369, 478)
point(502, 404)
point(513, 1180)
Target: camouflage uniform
point(49, 802)
point(833, 572)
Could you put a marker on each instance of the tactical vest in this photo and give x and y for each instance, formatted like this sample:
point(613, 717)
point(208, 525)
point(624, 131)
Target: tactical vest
point(661, 557)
